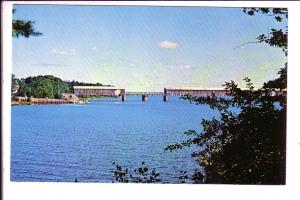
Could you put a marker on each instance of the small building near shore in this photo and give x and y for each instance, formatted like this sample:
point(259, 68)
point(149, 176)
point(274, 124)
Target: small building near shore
point(20, 98)
point(69, 97)
point(98, 91)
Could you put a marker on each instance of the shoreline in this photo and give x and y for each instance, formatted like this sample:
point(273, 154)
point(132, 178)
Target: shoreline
point(45, 101)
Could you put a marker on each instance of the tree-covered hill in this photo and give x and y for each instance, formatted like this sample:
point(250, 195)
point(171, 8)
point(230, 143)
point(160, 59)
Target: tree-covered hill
point(46, 86)
point(42, 86)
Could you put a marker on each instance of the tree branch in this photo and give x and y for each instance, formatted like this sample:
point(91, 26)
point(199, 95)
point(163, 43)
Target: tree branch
point(244, 44)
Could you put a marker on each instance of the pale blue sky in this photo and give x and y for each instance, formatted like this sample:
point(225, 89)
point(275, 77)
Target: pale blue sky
point(146, 48)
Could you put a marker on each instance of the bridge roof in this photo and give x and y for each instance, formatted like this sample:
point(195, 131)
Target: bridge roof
point(220, 89)
point(194, 88)
point(98, 87)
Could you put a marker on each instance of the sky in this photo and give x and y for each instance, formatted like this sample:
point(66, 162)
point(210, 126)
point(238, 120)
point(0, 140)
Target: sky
point(146, 48)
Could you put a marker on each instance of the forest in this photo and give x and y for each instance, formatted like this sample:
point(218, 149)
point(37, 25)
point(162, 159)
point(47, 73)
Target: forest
point(46, 86)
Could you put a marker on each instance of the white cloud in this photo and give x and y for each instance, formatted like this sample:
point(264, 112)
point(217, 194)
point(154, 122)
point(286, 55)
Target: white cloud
point(187, 66)
point(168, 44)
point(180, 67)
point(69, 52)
point(95, 49)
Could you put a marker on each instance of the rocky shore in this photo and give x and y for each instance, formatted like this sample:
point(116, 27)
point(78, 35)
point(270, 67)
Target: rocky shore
point(67, 98)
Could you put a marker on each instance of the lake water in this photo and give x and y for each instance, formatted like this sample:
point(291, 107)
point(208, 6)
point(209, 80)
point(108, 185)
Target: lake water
point(62, 143)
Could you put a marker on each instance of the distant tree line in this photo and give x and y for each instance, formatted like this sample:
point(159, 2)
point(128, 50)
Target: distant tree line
point(46, 86)
point(41, 86)
point(77, 83)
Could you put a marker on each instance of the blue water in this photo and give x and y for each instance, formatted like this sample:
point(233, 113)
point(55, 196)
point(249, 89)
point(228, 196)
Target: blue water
point(62, 143)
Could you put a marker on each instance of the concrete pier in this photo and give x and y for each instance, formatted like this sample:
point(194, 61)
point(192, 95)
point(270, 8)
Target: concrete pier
point(165, 95)
point(165, 98)
point(123, 95)
point(144, 97)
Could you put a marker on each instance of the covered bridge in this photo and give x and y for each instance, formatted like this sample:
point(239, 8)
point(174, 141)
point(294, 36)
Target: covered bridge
point(98, 91)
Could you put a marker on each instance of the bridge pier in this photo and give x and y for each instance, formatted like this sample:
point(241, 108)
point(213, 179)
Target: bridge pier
point(144, 97)
point(123, 95)
point(165, 98)
point(165, 95)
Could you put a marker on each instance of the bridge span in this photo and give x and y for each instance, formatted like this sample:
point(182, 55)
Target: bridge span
point(115, 91)
point(178, 92)
point(193, 92)
point(82, 91)
point(144, 93)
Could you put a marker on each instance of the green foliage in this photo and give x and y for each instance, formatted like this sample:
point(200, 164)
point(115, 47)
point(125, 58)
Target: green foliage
point(14, 84)
point(183, 176)
point(46, 86)
point(77, 83)
point(42, 87)
point(23, 28)
point(24, 89)
point(143, 175)
point(277, 37)
point(278, 13)
point(246, 144)
point(139, 175)
point(280, 82)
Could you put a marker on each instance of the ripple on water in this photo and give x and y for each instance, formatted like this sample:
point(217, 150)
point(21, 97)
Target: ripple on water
point(59, 143)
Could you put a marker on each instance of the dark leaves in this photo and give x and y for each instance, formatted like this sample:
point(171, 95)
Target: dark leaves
point(139, 175)
point(238, 147)
point(24, 28)
point(278, 83)
point(274, 12)
point(277, 37)
point(42, 86)
point(183, 176)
